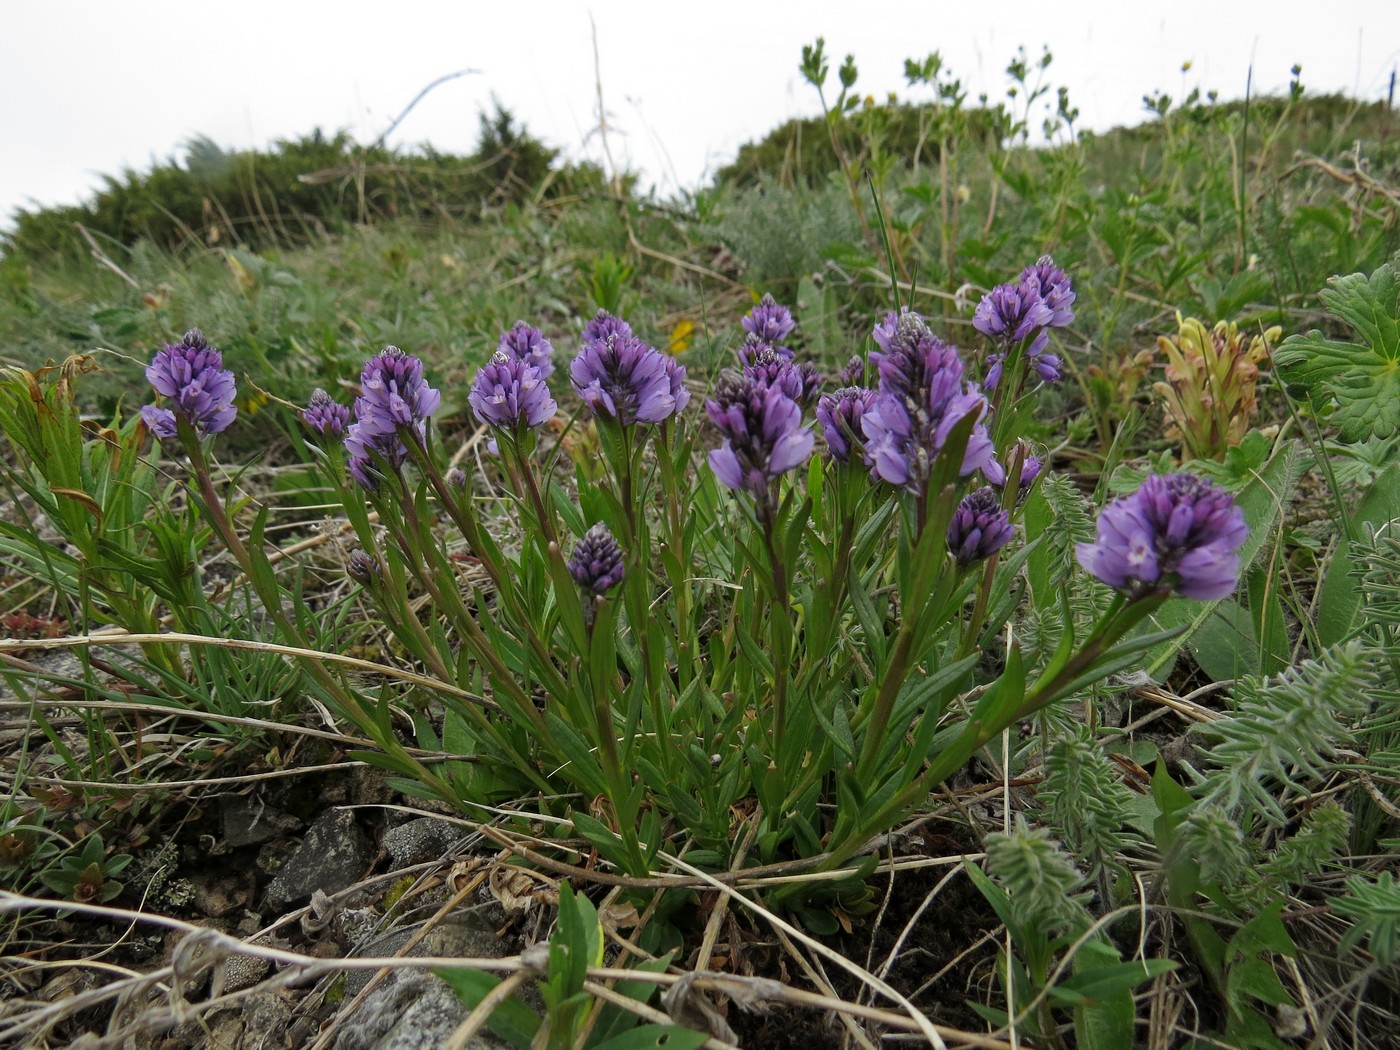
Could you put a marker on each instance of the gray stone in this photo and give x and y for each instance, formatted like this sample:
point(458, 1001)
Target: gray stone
point(459, 936)
point(247, 821)
point(244, 971)
point(266, 1016)
point(420, 840)
point(410, 1010)
point(332, 857)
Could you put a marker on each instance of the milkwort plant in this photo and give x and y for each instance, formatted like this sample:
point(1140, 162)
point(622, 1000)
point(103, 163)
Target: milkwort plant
point(775, 656)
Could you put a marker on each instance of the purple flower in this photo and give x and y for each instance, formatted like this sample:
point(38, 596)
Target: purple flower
point(840, 414)
point(1177, 531)
point(596, 564)
point(603, 325)
point(1011, 312)
point(325, 415)
point(994, 472)
point(524, 343)
point(1055, 290)
point(511, 394)
point(884, 332)
point(769, 322)
point(922, 397)
point(763, 432)
point(395, 400)
point(621, 377)
point(853, 374)
point(801, 382)
point(979, 527)
point(1047, 366)
point(191, 374)
point(675, 375)
point(752, 347)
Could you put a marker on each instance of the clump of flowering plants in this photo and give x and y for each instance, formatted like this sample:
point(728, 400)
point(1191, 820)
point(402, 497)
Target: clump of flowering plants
point(777, 621)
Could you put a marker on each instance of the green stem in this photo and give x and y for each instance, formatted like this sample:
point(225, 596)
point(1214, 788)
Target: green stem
point(1122, 616)
point(780, 626)
point(271, 599)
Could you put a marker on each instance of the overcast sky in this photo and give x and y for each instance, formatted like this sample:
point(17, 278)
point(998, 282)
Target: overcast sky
point(92, 86)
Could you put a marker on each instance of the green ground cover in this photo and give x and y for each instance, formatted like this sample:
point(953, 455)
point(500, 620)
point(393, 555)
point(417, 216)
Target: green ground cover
point(1154, 817)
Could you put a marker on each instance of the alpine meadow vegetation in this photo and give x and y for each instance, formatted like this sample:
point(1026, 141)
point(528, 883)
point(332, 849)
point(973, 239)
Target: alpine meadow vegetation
point(940, 580)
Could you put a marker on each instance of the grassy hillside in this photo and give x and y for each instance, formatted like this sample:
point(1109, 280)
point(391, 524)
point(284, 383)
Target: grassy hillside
point(633, 648)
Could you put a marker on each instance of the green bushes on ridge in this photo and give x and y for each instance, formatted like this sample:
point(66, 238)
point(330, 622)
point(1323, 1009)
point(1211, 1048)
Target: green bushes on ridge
point(295, 191)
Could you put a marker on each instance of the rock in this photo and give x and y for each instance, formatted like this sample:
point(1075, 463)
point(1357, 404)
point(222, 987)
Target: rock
point(419, 841)
point(410, 1010)
point(462, 935)
point(244, 971)
point(381, 1010)
point(265, 1020)
point(332, 857)
point(247, 821)
point(220, 895)
point(226, 1034)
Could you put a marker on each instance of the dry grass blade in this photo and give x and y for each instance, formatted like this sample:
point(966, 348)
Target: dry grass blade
point(124, 638)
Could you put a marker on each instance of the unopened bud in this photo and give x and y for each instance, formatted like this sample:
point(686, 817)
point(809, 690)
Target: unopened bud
point(363, 568)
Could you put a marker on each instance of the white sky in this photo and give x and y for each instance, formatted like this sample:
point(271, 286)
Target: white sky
point(91, 86)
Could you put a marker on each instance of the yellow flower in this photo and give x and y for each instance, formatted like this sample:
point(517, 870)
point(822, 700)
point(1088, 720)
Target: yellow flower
point(680, 337)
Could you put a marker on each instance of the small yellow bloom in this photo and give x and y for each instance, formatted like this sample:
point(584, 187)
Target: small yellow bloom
point(680, 337)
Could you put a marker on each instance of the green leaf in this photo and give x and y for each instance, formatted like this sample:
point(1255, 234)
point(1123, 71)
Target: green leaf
point(1255, 978)
point(1103, 983)
point(1362, 380)
point(1340, 596)
point(1228, 649)
point(513, 1021)
point(1104, 1020)
point(607, 842)
point(654, 1037)
point(1264, 933)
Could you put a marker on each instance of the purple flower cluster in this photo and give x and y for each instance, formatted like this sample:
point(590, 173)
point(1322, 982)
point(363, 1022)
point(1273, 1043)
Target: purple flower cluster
point(1009, 313)
point(840, 414)
point(765, 328)
point(395, 400)
point(596, 564)
point(528, 344)
point(853, 374)
point(1023, 313)
point(763, 433)
point(510, 393)
point(191, 374)
point(769, 322)
point(799, 380)
point(751, 349)
point(325, 415)
point(1178, 531)
point(1055, 288)
point(979, 527)
point(603, 325)
point(621, 377)
point(922, 396)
